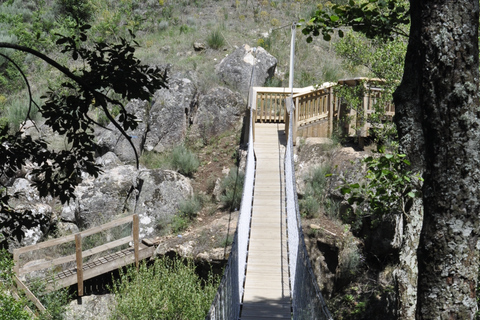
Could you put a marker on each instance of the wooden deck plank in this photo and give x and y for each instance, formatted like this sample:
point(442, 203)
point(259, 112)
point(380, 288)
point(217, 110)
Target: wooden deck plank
point(266, 294)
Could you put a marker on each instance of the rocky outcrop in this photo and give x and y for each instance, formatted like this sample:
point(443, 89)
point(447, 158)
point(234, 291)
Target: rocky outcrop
point(159, 193)
point(235, 70)
point(219, 110)
point(110, 139)
point(170, 115)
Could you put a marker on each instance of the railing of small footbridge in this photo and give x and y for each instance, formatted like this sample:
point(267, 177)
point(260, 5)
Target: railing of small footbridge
point(307, 300)
point(226, 304)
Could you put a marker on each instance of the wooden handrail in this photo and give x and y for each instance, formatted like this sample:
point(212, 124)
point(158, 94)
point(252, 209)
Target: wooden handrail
point(79, 253)
point(315, 104)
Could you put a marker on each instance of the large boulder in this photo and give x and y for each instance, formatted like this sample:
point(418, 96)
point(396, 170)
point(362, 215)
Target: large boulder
point(170, 114)
point(160, 192)
point(235, 70)
point(103, 199)
point(32, 219)
point(219, 110)
point(111, 139)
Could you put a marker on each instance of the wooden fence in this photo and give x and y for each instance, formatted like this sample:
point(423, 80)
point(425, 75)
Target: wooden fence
point(319, 105)
point(82, 271)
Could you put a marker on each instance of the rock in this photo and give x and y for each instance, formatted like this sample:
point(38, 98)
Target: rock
point(92, 307)
point(109, 160)
point(160, 192)
point(111, 139)
point(170, 115)
point(199, 46)
point(66, 228)
point(236, 69)
point(218, 111)
point(105, 198)
point(32, 219)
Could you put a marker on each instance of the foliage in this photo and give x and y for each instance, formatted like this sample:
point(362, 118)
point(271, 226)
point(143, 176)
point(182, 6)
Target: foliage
point(215, 39)
point(388, 186)
point(55, 301)
point(184, 160)
point(169, 289)
point(315, 197)
point(79, 10)
point(105, 69)
point(374, 18)
point(232, 189)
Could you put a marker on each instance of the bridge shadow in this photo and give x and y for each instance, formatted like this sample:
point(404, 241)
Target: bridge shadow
point(282, 137)
point(265, 309)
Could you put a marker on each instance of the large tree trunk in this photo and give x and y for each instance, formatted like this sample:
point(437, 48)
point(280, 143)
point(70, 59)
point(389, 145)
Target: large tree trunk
point(444, 40)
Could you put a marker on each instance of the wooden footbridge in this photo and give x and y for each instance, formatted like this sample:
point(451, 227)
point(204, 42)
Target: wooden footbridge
point(264, 287)
point(72, 259)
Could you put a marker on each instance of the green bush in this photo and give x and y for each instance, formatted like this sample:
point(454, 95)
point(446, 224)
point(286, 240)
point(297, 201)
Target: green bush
point(215, 40)
point(309, 207)
point(80, 10)
point(184, 161)
point(190, 207)
point(169, 289)
point(232, 189)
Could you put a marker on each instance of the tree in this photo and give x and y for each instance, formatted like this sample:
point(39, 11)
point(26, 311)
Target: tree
point(437, 120)
point(109, 75)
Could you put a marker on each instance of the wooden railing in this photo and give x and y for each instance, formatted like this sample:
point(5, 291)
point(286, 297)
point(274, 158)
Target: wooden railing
point(318, 105)
point(75, 240)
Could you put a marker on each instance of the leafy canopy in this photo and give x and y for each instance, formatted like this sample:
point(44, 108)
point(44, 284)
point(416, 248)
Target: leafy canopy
point(108, 75)
point(373, 18)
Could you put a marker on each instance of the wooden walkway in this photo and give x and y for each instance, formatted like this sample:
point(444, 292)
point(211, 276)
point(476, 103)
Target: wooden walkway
point(267, 294)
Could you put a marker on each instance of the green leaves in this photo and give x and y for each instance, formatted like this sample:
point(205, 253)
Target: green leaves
point(388, 185)
point(374, 18)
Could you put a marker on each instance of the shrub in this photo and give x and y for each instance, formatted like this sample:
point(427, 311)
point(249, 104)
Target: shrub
point(169, 289)
point(309, 207)
point(80, 10)
point(215, 39)
point(184, 161)
point(232, 186)
point(190, 207)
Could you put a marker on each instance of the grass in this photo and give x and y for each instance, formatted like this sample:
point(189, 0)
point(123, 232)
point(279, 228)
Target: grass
point(179, 158)
point(215, 39)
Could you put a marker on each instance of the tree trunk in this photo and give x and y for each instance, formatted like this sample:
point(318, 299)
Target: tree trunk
point(408, 119)
point(445, 107)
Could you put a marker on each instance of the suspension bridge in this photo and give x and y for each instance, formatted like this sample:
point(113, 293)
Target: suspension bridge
point(268, 274)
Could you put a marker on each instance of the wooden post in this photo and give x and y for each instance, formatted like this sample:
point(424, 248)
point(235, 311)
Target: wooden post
point(79, 258)
point(136, 242)
point(16, 258)
point(295, 120)
point(330, 111)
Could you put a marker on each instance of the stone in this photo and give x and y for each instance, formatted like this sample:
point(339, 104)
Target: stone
point(219, 110)
point(170, 115)
point(235, 69)
point(199, 46)
point(105, 198)
point(111, 139)
point(160, 192)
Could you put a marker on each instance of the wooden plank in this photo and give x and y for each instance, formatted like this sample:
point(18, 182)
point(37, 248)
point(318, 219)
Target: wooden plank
point(69, 238)
point(72, 257)
point(29, 294)
point(107, 226)
point(78, 251)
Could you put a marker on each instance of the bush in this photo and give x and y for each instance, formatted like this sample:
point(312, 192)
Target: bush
point(309, 207)
point(170, 289)
point(215, 40)
point(80, 10)
point(184, 161)
point(232, 186)
point(190, 207)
